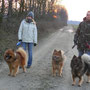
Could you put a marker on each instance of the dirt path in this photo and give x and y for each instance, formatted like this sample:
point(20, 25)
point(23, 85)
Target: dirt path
point(39, 76)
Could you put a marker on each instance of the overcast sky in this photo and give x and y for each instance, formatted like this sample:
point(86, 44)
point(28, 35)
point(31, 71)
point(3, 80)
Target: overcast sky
point(77, 9)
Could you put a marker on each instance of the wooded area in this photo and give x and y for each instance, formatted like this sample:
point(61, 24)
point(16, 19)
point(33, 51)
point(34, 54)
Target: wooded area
point(41, 8)
point(49, 17)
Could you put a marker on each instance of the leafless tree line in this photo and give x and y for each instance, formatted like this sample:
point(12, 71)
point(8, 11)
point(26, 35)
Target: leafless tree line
point(41, 8)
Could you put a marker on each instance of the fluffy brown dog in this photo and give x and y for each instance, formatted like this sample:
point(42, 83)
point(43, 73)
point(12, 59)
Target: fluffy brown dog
point(15, 59)
point(58, 58)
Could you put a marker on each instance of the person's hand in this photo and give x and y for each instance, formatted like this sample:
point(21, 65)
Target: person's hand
point(19, 43)
point(87, 46)
point(35, 44)
point(20, 40)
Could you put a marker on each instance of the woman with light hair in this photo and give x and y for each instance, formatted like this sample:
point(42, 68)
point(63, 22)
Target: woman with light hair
point(27, 34)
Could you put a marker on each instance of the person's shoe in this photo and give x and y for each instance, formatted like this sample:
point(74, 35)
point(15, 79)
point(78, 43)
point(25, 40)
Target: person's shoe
point(28, 66)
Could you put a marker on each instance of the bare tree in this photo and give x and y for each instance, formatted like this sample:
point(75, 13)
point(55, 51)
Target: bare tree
point(30, 4)
point(10, 8)
point(22, 6)
point(44, 7)
point(2, 9)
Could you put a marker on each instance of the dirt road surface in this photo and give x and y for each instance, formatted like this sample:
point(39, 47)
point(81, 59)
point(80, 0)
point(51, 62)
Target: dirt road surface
point(39, 76)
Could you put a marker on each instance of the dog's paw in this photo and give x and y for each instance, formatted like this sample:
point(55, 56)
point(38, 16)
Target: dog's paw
point(79, 85)
point(9, 74)
point(14, 75)
point(88, 82)
point(24, 71)
point(60, 75)
point(73, 84)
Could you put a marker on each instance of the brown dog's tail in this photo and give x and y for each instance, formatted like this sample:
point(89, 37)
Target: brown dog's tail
point(23, 55)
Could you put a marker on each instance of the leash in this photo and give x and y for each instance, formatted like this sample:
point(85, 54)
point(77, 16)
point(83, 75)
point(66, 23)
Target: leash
point(66, 52)
point(69, 51)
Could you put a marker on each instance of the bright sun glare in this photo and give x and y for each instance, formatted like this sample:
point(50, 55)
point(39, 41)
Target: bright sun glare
point(77, 9)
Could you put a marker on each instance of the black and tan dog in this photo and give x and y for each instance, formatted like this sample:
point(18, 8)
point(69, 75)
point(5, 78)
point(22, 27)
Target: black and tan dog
point(80, 66)
point(58, 58)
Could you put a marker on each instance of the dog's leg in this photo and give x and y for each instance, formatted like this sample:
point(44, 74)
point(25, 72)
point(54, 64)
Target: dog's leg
point(10, 69)
point(88, 80)
point(24, 69)
point(74, 82)
point(53, 70)
point(15, 71)
point(80, 81)
point(88, 76)
point(60, 69)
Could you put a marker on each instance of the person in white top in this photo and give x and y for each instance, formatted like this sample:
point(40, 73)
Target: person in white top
point(27, 34)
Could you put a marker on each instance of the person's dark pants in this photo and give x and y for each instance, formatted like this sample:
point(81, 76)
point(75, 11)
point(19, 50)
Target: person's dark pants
point(81, 53)
point(87, 52)
point(30, 47)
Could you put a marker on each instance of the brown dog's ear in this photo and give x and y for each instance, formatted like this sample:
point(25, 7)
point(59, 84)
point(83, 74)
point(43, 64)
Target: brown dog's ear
point(13, 50)
point(55, 50)
point(59, 51)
